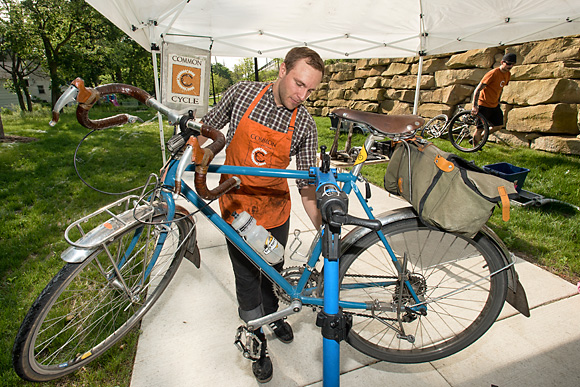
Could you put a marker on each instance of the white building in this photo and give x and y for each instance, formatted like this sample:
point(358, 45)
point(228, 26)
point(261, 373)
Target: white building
point(38, 87)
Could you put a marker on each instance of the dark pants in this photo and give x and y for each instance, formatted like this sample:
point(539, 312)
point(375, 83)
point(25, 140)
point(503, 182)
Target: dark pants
point(254, 290)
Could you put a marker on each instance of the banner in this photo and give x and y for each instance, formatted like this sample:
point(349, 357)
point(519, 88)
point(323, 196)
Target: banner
point(185, 76)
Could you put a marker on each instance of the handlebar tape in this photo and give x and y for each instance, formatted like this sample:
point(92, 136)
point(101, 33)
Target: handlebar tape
point(88, 100)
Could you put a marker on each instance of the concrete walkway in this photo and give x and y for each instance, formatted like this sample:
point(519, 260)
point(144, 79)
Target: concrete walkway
point(187, 338)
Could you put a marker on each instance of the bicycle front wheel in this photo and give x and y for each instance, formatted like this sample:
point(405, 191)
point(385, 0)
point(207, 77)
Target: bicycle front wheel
point(435, 127)
point(89, 306)
point(468, 132)
point(459, 281)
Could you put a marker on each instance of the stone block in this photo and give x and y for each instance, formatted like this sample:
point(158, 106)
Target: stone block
point(544, 91)
point(381, 61)
point(314, 111)
point(395, 107)
point(396, 69)
point(355, 84)
point(373, 82)
point(545, 71)
point(371, 95)
point(558, 118)
point(341, 66)
point(336, 94)
point(430, 66)
point(401, 95)
point(480, 58)
point(450, 95)
point(342, 76)
point(362, 106)
point(558, 144)
point(336, 103)
point(362, 64)
point(433, 109)
point(553, 50)
point(459, 77)
point(410, 82)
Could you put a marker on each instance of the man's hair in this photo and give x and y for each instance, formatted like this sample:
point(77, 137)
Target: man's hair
point(311, 56)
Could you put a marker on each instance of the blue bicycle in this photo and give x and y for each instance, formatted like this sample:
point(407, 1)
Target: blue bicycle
point(393, 288)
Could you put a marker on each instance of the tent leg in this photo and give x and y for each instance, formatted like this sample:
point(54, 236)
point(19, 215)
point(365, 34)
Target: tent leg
point(418, 87)
point(159, 116)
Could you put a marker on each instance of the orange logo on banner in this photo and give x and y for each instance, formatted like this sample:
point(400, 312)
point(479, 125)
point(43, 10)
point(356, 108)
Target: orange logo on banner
point(186, 80)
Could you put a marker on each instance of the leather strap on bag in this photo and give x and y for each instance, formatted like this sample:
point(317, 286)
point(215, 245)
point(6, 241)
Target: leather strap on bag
point(505, 203)
point(443, 164)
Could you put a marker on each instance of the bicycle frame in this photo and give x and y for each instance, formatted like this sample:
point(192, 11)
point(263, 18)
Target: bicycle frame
point(297, 292)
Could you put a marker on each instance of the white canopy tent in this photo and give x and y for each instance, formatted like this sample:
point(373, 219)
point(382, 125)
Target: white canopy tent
point(340, 29)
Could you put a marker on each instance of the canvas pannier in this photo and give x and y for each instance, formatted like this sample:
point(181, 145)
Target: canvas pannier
point(447, 191)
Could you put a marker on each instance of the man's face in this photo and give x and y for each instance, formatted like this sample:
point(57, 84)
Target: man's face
point(506, 66)
point(295, 86)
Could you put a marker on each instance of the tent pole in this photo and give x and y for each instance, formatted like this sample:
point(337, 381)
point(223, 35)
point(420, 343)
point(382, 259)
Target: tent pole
point(418, 87)
point(157, 97)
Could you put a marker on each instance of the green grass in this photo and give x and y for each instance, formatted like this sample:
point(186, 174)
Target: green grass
point(548, 235)
point(41, 195)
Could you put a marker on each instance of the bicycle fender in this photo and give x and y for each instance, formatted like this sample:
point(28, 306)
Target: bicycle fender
point(516, 296)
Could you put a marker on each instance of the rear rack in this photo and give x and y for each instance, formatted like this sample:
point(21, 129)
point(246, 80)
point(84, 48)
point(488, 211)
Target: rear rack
point(117, 217)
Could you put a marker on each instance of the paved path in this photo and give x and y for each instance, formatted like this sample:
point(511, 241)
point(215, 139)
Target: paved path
point(188, 336)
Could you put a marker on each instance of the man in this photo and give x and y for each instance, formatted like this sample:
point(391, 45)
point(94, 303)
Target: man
point(268, 125)
point(487, 95)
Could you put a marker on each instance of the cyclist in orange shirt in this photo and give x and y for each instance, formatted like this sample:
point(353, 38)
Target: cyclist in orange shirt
point(487, 95)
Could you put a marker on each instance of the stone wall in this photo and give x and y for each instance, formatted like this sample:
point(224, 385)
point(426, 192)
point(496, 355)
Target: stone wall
point(540, 103)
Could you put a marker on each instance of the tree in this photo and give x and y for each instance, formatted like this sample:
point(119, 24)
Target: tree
point(221, 78)
point(19, 56)
point(66, 30)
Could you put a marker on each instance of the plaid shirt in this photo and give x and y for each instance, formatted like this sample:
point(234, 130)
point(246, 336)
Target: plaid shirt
point(237, 99)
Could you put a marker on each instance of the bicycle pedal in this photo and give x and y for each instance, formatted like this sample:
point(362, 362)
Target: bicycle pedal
point(248, 343)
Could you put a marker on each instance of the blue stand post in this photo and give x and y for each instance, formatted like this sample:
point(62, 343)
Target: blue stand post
point(330, 347)
point(333, 205)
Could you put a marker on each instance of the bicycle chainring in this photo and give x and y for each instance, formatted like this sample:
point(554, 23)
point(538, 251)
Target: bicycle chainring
point(292, 274)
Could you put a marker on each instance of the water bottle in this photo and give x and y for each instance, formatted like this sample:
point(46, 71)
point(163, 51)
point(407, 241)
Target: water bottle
point(258, 238)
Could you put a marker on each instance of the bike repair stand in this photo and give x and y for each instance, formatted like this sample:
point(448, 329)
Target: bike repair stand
point(333, 205)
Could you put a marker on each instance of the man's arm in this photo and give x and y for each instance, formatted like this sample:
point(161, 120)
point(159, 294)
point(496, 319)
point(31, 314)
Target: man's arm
point(308, 194)
point(478, 89)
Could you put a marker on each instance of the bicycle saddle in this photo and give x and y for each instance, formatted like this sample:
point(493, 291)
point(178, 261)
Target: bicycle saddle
point(385, 124)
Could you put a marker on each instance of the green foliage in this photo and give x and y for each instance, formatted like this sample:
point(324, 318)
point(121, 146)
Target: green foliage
point(547, 235)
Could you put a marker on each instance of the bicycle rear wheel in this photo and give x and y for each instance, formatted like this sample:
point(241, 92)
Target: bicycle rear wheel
point(86, 308)
point(459, 280)
point(462, 130)
point(434, 128)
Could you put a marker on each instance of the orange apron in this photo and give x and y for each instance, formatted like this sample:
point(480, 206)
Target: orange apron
point(267, 199)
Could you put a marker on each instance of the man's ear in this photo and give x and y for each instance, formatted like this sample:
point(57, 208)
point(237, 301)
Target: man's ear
point(282, 71)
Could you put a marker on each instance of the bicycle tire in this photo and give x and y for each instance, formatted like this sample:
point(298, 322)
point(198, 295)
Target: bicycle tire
point(435, 127)
point(441, 266)
point(83, 310)
point(462, 127)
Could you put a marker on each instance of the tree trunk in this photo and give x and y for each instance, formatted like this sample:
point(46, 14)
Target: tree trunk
point(18, 91)
point(28, 98)
point(1, 127)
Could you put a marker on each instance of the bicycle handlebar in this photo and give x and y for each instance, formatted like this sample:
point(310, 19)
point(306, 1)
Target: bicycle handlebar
point(87, 97)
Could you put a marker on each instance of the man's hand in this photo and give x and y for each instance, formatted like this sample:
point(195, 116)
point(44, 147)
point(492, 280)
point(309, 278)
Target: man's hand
point(475, 110)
